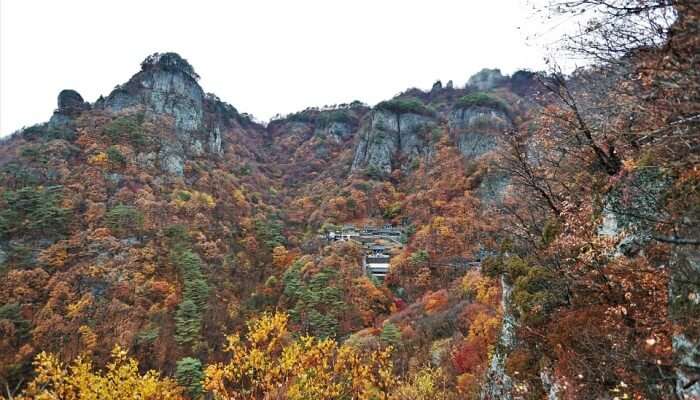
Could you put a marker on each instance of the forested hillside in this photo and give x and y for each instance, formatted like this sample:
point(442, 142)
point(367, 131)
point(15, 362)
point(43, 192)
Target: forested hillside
point(543, 232)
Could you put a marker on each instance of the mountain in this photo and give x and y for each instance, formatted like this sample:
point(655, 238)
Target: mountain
point(542, 231)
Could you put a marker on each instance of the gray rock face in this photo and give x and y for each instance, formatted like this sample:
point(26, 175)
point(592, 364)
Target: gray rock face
point(487, 79)
point(59, 120)
point(684, 295)
point(339, 129)
point(498, 383)
point(70, 101)
point(3, 257)
point(214, 142)
point(493, 187)
point(70, 104)
point(475, 127)
point(390, 137)
point(146, 160)
point(172, 159)
point(164, 92)
point(167, 84)
point(631, 207)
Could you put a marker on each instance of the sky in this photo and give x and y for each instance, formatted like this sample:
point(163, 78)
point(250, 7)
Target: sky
point(264, 57)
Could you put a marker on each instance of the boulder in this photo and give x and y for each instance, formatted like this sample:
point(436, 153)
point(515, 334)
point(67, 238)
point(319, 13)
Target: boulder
point(71, 102)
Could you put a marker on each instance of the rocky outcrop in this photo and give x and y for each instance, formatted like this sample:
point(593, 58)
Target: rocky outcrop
point(632, 208)
point(498, 384)
point(70, 105)
point(630, 214)
point(487, 79)
point(524, 83)
point(393, 139)
point(684, 307)
point(71, 102)
point(321, 132)
point(493, 186)
point(475, 128)
point(166, 84)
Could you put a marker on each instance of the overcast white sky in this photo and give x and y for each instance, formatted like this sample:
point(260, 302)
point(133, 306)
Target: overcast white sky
point(263, 56)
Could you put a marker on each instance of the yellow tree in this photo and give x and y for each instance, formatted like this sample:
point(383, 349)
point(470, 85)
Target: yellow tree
point(269, 364)
point(120, 380)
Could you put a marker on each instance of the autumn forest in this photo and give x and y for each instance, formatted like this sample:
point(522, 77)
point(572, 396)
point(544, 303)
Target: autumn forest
point(524, 236)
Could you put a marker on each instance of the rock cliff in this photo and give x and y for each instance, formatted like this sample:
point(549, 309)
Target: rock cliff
point(395, 135)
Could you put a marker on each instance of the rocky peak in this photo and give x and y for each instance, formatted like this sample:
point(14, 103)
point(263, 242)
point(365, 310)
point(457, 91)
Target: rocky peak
point(487, 79)
point(166, 84)
point(169, 62)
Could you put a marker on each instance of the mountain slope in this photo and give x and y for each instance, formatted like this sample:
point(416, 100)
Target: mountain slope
point(547, 239)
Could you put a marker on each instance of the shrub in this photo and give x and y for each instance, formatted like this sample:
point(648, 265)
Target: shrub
point(307, 116)
point(188, 323)
point(147, 335)
point(408, 105)
point(46, 132)
point(338, 116)
point(34, 153)
point(244, 170)
point(188, 373)
point(123, 220)
point(169, 62)
point(126, 127)
point(79, 380)
point(536, 294)
point(17, 175)
point(372, 172)
point(21, 327)
point(115, 156)
point(265, 363)
point(392, 211)
point(481, 99)
point(317, 301)
point(33, 211)
point(391, 334)
point(419, 258)
point(270, 232)
point(426, 384)
point(188, 317)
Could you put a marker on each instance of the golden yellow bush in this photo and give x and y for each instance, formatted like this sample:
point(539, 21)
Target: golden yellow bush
point(120, 380)
point(193, 200)
point(269, 364)
point(426, 384)
point(98, 160)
